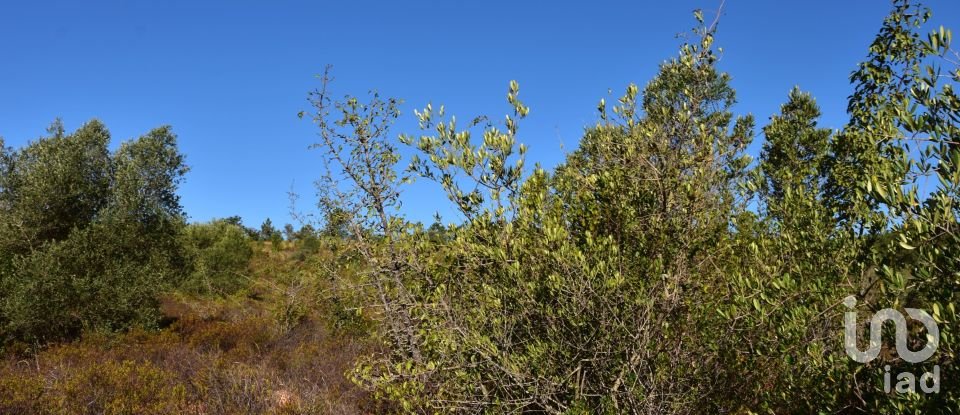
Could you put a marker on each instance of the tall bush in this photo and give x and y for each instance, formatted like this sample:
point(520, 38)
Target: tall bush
point(220, 253)
point(658, 269)
point(89, 237)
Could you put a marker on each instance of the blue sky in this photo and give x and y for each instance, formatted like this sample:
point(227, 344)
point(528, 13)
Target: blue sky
point(230, 76)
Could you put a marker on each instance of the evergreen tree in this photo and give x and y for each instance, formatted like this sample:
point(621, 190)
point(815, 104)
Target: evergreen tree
point(88, 238)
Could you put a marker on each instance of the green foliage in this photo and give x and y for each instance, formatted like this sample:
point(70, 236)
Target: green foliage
point(794, 153)
point(276, 241)
point(267, 230)
point(581, 283)
point(847, 216)
point(271, 234)
point(656, 270)
point(336, 223)
point(784, 292)
point(307, 240)
point(905, 109)
point(70, 176)
point(220, 252)
point(88, 238)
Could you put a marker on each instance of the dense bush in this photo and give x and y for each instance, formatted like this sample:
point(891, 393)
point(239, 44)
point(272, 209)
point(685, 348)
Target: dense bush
point(660, 270)
point(88, 238)
point(307, 239)
point(220, 253)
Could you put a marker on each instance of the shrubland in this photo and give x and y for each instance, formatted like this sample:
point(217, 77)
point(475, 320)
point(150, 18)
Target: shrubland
point(659, 269)
point(275, 346)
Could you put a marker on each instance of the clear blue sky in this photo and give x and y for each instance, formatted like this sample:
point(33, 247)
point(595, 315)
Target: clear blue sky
point(230, 76)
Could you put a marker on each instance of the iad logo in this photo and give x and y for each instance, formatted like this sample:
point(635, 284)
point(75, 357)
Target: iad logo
point(906, 381)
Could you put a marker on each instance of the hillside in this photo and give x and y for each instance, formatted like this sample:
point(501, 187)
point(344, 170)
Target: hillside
point(274, 347)
point(685, 257)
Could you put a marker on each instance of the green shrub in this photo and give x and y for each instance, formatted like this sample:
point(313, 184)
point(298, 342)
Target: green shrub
point(220, 252)
point(659, 270)
point(67, 286)
point(88, 238)
point(307, 241)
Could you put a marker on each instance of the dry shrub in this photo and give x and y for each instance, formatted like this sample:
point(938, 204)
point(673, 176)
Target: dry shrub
point(21, 393)
point(215, 356)
point(121, 388)
point(243, 339)
point(235, 388)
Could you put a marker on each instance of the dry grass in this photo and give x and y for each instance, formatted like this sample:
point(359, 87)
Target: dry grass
point(271, 349)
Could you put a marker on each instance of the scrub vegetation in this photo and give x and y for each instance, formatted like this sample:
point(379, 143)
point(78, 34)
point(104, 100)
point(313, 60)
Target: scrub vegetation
point(659, 269)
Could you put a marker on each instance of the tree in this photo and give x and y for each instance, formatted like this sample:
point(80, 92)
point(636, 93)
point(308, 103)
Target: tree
point(68, 176)
point(903, 128)
point(234, 220)
point(437, 232)
point(6, 168)
point(267, 231)
point(782, 301)
point(252, 233)
point(306, 231)
point(6, 163)
point(90, 237)
point(354, 137)
point(308, 238)
point(336, 223)
point(793, 156)
point(852, 219)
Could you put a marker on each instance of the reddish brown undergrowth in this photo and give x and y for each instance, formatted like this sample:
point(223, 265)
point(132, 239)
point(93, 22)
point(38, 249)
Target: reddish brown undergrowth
point(243, 354)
